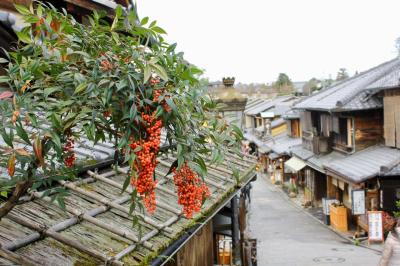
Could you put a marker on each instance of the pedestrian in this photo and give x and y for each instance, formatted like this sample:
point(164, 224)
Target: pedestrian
point(391, 251)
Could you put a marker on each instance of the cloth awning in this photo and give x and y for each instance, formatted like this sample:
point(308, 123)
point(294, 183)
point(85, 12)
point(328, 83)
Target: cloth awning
point(295, 164)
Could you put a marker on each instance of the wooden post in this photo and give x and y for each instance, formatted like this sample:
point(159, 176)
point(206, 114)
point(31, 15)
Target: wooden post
point(235, 231)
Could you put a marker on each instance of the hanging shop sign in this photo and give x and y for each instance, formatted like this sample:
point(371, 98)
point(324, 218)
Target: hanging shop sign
point(358, 201)
point(375, 226)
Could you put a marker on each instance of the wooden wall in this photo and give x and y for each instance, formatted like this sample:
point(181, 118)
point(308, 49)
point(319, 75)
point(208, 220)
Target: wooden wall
point(368, 128)
point(279, 129)
point(198, 251)
point(295, 128)
point(391, 105)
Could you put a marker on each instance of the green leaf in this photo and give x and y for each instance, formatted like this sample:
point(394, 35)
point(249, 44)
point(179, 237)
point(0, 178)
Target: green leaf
point(4, 79)
point(22, 133)
point(138, 148)
point(153, 23)
point(126, 184)
point(202, 164)
point(179, 149)
point(50, 90)
point(23, 37)
point(115, 37)
point(8, 138)
point(81, 87)
point(3, 194)
point(159, 30)
point(3, 60)
point(61, 203)
point(144, 21)
point(147, 73)
point(171, 104)
point(118, 11)
point(160, 71)
point(56, 140)
point(22, 9)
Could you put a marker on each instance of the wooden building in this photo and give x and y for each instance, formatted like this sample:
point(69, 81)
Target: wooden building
point(343, 127)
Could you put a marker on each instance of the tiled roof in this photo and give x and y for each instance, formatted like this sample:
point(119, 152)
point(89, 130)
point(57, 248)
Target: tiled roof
point(264, 105)
point(365, 164)
point(352, 93)
point(300, 152)
point(282, 143)
point(391, 80)
point(96, 228)
point(317, 162)
point(395, 171)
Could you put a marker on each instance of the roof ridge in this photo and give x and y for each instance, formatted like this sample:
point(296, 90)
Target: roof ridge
point(379, 76)
point(338, 86)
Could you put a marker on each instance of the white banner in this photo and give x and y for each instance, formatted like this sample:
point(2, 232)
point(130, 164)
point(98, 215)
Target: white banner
point(358, 201)
point(375, 226)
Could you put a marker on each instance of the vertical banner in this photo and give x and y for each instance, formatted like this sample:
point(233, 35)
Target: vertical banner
point(358, 201)
point(375, 226)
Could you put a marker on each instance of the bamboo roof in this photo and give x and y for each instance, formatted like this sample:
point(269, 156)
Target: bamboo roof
point(96, 228)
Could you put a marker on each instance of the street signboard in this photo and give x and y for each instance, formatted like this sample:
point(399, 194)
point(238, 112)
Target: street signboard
point(375, 226)
point(358, 201)
point(326, 203)
point(267, 114)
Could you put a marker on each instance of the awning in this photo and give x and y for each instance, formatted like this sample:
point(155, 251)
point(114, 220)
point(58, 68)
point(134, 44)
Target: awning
point(273, 156)
point(264, 149)
point(295, 164)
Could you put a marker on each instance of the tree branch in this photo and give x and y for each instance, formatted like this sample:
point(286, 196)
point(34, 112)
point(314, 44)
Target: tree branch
point(20, 189)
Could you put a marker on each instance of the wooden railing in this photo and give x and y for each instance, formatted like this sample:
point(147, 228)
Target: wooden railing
point(316, 144)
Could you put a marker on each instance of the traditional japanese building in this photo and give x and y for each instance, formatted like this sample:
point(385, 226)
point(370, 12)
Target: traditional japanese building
point(343, 137)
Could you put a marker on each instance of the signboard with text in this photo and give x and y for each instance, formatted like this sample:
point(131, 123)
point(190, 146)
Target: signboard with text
point(375, 226)
point(358, 201)
point(326, 203)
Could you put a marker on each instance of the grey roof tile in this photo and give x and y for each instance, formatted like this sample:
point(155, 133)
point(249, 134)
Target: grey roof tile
point(317, 161)
point(365, 164)
point(300, 152)
point(352, 93)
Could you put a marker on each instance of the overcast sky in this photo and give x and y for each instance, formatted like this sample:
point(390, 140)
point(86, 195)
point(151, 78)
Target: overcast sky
point(255, 40)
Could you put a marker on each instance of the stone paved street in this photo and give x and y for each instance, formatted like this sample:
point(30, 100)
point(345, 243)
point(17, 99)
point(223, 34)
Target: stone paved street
point(288, 236)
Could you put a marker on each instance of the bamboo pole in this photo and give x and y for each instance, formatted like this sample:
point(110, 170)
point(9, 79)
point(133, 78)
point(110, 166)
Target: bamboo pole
point(113, 205)
point(65, 240)
point(130, 190)
point(19, 259)
point(16, 244)
point(89, 217)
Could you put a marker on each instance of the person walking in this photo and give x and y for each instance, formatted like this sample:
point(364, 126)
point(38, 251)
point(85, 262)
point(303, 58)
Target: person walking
point(391, 250)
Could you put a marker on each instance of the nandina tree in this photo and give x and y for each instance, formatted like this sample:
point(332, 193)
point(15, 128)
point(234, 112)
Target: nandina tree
point(122, 82)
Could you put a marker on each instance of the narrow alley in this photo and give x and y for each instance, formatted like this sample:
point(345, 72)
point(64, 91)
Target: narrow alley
point(287, 236)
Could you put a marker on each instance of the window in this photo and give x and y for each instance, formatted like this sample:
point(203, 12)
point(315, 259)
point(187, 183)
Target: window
point(316, 122)
point(344, 132)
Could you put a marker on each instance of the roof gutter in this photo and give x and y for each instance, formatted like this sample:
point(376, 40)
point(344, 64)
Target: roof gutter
point(172, 249)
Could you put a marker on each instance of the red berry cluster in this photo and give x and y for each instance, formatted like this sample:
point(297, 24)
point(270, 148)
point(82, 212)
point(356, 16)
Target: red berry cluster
point(106, 114)
point(106, 65)
point(191, 190)
point(70, 157)
point(147, 161)
point(157, 94)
